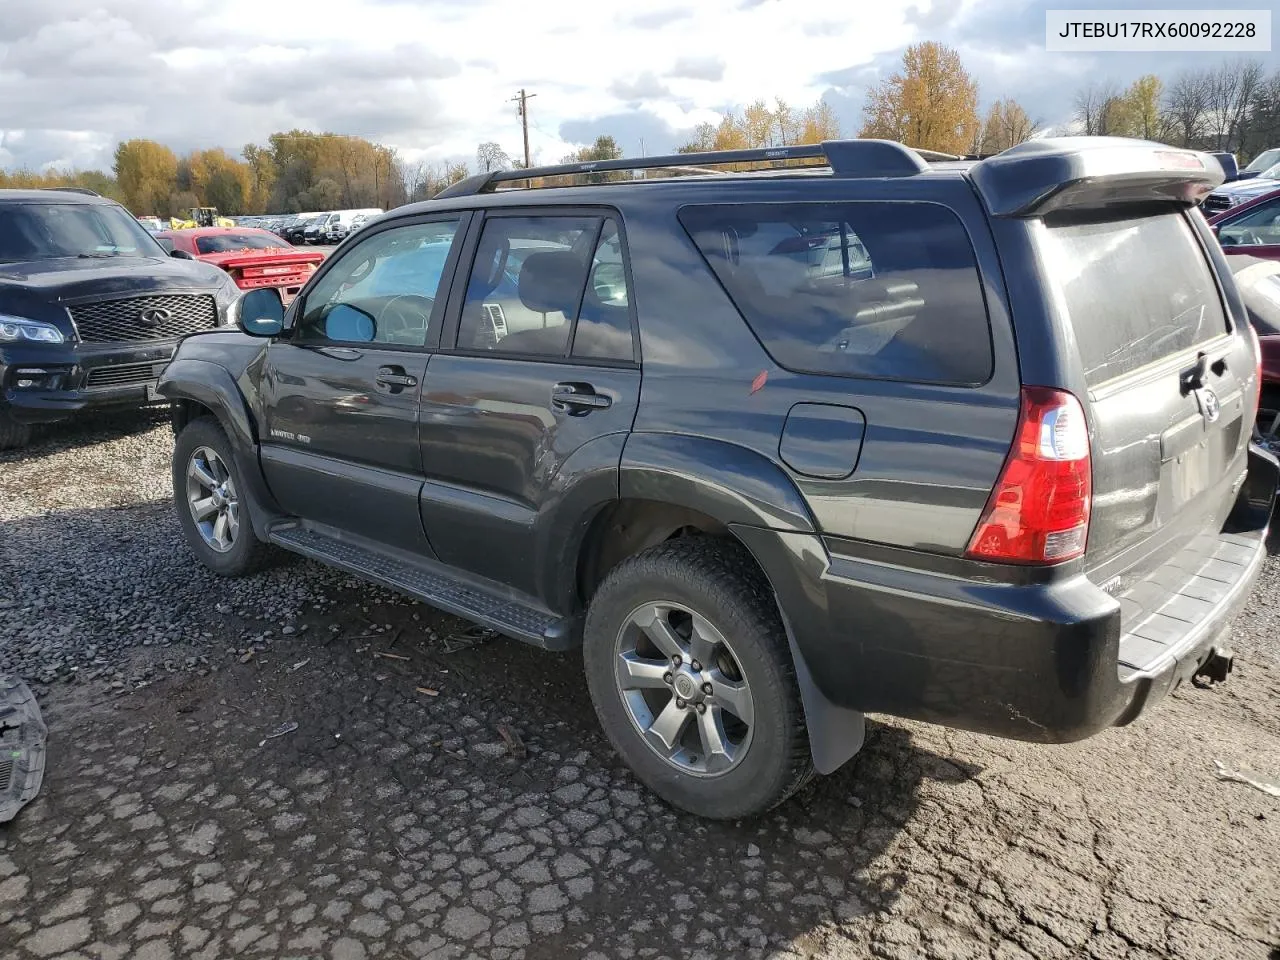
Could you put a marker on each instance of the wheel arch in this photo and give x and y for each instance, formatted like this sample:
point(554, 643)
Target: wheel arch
point(198, 388)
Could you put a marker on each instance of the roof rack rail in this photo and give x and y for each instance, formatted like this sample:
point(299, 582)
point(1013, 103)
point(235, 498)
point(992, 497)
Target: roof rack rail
point(846, 158)
point(85, 190)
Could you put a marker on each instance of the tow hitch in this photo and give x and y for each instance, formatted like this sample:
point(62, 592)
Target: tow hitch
point(1216, 666)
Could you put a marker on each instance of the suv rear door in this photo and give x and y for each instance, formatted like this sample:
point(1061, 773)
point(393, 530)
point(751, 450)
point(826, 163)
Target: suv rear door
point(1167, 375)
point(534, 402)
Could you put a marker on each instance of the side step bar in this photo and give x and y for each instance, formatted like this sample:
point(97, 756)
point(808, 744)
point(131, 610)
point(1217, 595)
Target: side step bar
point(434, 583)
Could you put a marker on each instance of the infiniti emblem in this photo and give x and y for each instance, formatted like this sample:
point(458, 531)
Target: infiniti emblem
point(153, 316)
point(1210, 406)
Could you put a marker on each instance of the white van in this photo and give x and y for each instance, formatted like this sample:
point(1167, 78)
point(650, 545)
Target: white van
point(339, 222)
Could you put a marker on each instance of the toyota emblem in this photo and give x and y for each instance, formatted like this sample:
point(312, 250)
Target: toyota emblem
point(1210, 405)
point(153, 316)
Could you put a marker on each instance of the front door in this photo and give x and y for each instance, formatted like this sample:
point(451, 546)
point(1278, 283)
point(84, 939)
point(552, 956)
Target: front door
point(341, 393)
point(536, 399)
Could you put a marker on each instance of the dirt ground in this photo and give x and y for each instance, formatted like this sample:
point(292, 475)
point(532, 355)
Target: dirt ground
point(448, 794)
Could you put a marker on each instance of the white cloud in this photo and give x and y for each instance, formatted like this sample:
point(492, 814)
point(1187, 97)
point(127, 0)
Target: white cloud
point(431, 77)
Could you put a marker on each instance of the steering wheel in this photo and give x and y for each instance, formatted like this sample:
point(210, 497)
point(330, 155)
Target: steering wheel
point(404, 317)
point(1250, 237)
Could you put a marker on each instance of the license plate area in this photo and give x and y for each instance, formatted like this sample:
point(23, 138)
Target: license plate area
point(1199, 466)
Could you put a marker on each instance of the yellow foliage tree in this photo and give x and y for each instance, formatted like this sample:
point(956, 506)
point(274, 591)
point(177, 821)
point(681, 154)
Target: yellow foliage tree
point(931, 104)
point(1140, 111)
point(147, 173)
point(1007, 125)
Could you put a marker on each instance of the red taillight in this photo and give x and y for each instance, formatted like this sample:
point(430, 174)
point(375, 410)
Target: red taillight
point(1039, 509)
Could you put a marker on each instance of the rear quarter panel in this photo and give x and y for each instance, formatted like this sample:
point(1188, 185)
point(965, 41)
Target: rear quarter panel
point(930, 453)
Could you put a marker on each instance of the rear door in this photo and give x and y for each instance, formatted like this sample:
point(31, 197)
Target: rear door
point(538, 394)
point(1168, 378)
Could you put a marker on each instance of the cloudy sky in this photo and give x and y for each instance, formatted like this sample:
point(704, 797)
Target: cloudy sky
point(434, 77)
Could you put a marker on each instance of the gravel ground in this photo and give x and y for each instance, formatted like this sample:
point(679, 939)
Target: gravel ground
point(448, 794)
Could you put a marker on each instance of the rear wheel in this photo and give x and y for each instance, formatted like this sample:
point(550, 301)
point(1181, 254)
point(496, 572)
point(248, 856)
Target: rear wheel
point(688, 667)
point(207, 495)
point(13, 435)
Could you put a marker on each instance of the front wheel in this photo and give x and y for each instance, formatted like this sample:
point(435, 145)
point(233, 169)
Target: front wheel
point(207, 493)
point(689, 669)
point(13, 435)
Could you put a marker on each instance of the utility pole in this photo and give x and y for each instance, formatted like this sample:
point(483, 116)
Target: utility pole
point(522, 99)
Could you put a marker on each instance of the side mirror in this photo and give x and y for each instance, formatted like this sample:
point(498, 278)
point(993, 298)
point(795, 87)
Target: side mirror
point(259, 313)
point(181, 255)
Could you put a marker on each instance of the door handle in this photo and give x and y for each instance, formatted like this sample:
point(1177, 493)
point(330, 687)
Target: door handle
point(340, 353)
point(578, 398)
point(395, 377)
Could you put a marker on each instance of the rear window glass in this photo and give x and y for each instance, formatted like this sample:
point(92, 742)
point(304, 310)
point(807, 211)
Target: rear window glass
point(882, 290)
point(1136, 290)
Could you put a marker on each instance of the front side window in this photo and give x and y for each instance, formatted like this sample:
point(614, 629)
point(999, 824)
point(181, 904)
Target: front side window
point(384, 289)
point(1260, 226)
point(527, 284)
point(48, 231)
point(860, 289)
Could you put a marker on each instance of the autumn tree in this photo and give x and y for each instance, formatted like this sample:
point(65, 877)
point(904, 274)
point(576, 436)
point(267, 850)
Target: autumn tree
point(1141, 109)
point(1007, 124)
point(1186, 104)
point(221, 181)
point(147, 173)
point(1100, 110)
point(930, 104)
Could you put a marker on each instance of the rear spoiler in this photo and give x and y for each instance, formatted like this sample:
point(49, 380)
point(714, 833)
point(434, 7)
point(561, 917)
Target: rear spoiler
point(1043, 176)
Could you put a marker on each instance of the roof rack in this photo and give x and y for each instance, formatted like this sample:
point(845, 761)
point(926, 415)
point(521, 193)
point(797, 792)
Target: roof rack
point(846, 158)
point(85, 190)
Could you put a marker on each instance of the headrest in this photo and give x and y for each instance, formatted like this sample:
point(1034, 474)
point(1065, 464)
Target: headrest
point(552, 281)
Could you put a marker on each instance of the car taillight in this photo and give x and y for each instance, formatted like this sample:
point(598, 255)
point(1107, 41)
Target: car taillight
point(1039, 509)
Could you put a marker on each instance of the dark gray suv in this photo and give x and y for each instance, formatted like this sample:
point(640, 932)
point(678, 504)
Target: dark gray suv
point(864, 431)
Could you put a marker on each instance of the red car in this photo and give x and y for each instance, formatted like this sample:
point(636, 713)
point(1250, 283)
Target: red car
point(254, 258)
point(1252, 228)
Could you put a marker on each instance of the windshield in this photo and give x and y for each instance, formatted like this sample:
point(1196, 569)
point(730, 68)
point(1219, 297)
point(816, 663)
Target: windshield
point(1271, 173)
point(225, 242)
point(47, 231)
point(1268, 158)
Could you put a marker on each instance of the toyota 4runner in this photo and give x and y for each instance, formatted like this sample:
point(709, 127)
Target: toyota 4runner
point(91, 307)
point(866, 431)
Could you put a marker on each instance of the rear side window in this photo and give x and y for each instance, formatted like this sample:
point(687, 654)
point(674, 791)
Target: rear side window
point(1136, 290)
point(882, 290)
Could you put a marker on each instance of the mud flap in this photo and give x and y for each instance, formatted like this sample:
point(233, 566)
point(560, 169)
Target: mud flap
point(836, 733)
point(22, 737)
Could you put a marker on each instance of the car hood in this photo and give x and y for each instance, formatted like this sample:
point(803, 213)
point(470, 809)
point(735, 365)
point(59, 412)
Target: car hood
point(1241, 190)
point(71, 279)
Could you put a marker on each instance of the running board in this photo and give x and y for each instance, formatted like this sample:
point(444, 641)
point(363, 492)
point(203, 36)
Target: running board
point(434, 583)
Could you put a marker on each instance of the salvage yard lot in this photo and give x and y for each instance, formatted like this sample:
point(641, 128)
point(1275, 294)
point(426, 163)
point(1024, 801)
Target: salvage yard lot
point(446, 793)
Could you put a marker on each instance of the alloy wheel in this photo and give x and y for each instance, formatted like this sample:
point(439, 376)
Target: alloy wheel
point(212, 498)
point(684, 689)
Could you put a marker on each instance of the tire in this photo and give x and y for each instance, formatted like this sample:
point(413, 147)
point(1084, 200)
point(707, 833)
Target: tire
point(13, 435)
point(244, 553)
point(714, 582)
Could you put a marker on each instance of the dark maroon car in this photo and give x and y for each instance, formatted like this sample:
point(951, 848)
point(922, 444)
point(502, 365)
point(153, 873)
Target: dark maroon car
point(1251, 228)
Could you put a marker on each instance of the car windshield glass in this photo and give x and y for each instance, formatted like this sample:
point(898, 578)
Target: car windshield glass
point(1268, 158)
point(1271, 173)
point(224, 242)
point(46, 231)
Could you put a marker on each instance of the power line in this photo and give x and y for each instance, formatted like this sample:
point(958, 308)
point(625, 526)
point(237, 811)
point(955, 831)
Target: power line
point(522, 101)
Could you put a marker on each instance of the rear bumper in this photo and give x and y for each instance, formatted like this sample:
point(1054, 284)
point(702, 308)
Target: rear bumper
point(1030, 661)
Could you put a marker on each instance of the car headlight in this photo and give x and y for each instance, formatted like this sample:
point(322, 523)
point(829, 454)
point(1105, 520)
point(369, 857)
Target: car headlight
point(18, 328)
